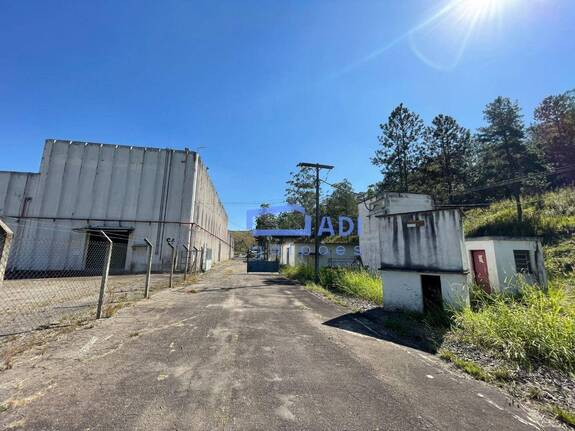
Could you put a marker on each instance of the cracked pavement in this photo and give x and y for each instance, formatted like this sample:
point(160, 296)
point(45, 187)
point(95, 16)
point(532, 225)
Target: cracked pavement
point(238, 351)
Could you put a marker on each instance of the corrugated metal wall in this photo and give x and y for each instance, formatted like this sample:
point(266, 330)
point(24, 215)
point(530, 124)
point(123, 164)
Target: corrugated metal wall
point(149, 191)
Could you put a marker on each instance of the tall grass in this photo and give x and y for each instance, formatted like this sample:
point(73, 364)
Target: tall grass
point(531, 328)
point(357, 283)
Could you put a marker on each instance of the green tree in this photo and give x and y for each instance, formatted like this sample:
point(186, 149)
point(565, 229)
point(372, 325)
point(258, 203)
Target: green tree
point(401, 148)
point(504, 156)
point(300, 190)
point(266, 220)
point(446, 164)
point(342, 201)
point(553, 133)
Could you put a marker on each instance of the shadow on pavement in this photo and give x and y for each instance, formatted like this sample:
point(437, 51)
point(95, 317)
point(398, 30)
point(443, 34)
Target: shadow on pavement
point(406, 329)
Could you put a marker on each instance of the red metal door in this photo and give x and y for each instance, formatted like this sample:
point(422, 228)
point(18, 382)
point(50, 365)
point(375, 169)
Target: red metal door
point(480, 269)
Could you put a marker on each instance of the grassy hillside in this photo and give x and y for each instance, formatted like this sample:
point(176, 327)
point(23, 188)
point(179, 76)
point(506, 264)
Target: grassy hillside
point(550, 216)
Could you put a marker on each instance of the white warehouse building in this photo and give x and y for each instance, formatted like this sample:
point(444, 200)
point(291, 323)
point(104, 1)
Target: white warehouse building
point(130, 193)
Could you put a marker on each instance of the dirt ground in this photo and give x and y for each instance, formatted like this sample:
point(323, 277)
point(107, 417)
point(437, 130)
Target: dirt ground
point(27, 304)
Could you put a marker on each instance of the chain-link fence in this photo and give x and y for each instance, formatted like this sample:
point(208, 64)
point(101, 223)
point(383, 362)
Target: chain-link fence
point(59, 276)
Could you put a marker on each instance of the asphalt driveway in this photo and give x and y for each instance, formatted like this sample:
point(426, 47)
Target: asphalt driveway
point(241, 351)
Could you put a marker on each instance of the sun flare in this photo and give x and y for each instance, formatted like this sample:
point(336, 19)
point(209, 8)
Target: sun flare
point(479, 9)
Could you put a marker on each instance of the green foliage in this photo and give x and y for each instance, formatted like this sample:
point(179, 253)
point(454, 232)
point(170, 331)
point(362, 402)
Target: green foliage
point(553, 133)
point(469, 367)
point(357, 283)
point(550, 216)
point(243, 240)
point(301, 189)
point(564, 416)
point(301, 273)
point(446, 165)
point(341, 202)
point(531, 328)
point(401, 148)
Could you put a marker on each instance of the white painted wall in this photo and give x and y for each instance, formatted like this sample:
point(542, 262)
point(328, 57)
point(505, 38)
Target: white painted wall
point(302, 253)
point(386, 203)
point(501, 261)
point(437, 244)
point(402, 290)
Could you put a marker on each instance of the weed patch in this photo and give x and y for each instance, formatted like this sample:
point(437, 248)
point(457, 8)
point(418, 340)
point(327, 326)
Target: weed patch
point(468, 367)
point(530, 328)
point(564, 416)
point(351, 282)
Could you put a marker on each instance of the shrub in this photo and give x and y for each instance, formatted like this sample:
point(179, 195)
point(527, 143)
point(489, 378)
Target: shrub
point(531, 328)
point(358, 283)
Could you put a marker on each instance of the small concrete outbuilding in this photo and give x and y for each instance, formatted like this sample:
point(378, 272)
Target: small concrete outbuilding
point(423, 261)
point(499, 263)
point(369, 213)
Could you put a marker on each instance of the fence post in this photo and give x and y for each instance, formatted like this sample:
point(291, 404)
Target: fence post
point(6, 236)
point(187, 264)
point(105, 272)
point(148, 268)
point(173, 260)
point(195, 263)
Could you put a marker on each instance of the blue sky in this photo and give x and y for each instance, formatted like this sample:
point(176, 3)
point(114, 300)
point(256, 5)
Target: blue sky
point(266, 84)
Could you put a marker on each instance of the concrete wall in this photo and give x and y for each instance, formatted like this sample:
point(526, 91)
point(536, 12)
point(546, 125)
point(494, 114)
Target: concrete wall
point(413, 244)
point(330, 254)
point(211, 219)
point(386, 203)
point(501, 262)
point(430, 240)
point(149, 191)
point(402, 290)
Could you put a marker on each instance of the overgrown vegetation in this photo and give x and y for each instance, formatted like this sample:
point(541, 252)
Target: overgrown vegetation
point(530, 328)
point(352, 282)
point(564, 416)
point(533, 327)
point(550, 216)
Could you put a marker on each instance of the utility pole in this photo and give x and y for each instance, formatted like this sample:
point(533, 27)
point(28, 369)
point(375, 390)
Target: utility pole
point(317, 168)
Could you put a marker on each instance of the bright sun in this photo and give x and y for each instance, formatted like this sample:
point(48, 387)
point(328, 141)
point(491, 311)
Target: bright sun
point(479, 9)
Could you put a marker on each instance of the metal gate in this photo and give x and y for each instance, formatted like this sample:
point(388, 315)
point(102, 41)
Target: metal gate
point(259, 261)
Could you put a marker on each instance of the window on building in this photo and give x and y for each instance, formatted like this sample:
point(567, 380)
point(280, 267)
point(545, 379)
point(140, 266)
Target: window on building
point(522, 261)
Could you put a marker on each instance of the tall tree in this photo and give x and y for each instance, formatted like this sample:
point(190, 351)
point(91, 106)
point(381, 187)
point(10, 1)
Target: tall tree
point(266, 220)
point(342, 201)
point(553, 133)
point(401, 148)
point(447, 157)
point(300, 190)
point(504, 155)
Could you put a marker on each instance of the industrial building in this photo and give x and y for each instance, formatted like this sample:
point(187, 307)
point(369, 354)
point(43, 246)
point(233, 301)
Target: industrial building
point(130, 193)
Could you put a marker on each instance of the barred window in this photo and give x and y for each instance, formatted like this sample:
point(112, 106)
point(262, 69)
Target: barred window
point(522, 261)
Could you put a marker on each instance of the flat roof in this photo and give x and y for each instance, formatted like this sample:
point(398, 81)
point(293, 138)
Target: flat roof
point(418, 212)
point(503, 238)
point(137, 147)
point(381, 195)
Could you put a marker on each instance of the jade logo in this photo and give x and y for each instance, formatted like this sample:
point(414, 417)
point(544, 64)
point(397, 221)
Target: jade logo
point(345, 225)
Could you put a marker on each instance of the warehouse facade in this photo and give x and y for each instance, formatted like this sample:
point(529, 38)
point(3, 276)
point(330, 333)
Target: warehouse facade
point(130, 193)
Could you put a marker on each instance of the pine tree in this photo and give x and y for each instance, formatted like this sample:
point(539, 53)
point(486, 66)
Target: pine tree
point(401, 148)
point(504, 155)
point(447, 157)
